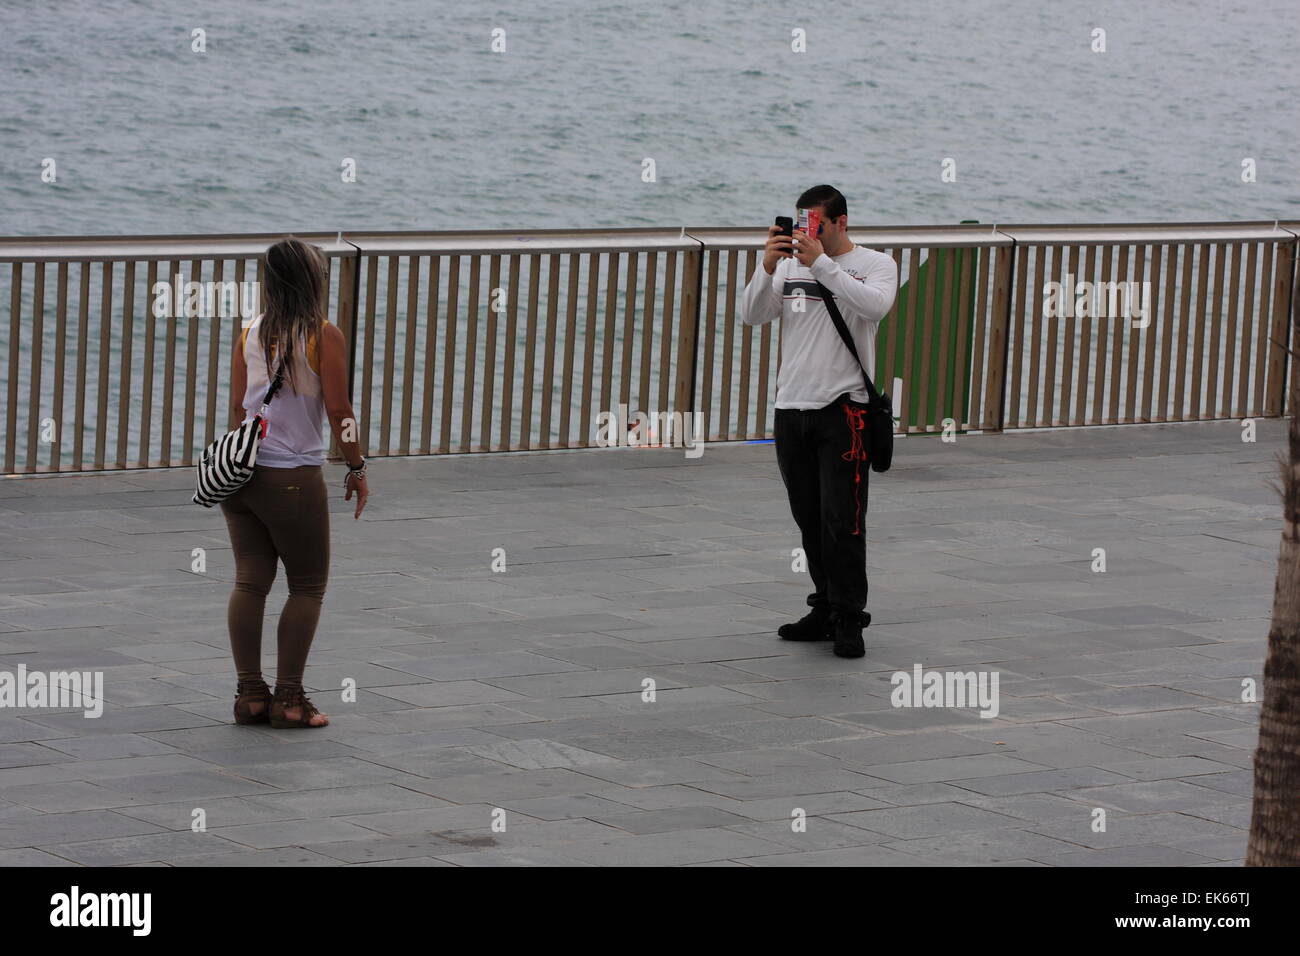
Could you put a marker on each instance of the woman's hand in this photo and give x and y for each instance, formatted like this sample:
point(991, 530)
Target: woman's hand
point(357, 482)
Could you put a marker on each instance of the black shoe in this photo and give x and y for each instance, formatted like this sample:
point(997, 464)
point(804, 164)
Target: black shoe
point(813, 626)
point(848, 635)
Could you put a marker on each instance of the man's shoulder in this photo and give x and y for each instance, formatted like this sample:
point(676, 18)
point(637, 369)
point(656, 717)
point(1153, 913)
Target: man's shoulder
point(869, 257)
point(860, 261)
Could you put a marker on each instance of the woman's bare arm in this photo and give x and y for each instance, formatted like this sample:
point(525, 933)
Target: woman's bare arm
point(238, 384)
point(343, 421)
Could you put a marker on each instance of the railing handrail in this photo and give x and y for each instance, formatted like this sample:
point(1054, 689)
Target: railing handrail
point(1147, 232)
point(966, 236)
point(521, 241)
point(341, 244)
point(142, 248)
point(442, 242)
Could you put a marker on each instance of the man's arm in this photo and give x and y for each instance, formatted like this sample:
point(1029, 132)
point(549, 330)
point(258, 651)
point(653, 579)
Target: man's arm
point(762, 299)
point(869, 298)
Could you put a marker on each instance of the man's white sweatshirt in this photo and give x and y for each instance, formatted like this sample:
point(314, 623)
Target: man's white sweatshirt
point(816, 365)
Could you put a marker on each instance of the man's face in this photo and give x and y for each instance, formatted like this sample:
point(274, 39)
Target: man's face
point(831, 228)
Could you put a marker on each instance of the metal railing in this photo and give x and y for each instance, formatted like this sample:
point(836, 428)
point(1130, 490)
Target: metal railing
point(1205, 352)
point(487, 341)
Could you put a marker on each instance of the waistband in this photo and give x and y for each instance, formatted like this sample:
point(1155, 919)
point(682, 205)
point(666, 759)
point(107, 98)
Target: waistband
point(297, 470)
point(834, 403)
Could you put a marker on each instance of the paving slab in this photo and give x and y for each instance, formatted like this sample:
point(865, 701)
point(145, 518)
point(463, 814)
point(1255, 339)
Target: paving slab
point(521, 693)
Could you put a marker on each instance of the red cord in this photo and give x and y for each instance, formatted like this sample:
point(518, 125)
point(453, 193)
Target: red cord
point(857, 453)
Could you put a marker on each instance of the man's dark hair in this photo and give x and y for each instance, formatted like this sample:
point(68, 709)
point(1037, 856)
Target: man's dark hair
point(828, 197)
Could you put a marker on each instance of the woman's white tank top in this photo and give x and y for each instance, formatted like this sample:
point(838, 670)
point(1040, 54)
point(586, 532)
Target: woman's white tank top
point(294, 417)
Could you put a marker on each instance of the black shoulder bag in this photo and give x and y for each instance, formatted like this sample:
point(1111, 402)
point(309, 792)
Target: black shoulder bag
point(227, 464)
point(880, 410)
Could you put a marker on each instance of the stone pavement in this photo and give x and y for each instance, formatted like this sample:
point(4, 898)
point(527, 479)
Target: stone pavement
point(519, 694)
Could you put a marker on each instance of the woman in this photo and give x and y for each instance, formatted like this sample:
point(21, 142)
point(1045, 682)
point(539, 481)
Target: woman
point(282, 513)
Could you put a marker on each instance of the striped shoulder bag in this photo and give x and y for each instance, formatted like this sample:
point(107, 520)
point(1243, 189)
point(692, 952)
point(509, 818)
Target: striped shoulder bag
point(227, 463)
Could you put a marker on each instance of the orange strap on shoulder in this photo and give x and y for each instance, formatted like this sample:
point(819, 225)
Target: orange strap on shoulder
point(313, 349)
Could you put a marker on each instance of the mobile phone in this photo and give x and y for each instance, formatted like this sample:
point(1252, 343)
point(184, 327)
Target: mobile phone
point(786, 225)
point(810, 221)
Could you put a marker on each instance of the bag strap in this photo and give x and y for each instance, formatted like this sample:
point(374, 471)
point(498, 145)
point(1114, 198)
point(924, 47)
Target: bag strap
point(275, 385)
point(276, 381)
point(828, 299)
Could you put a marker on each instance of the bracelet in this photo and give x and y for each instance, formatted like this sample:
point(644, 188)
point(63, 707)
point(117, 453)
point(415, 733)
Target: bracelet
point(358, 472)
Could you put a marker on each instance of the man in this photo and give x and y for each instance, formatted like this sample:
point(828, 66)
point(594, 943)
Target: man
point(819, 399)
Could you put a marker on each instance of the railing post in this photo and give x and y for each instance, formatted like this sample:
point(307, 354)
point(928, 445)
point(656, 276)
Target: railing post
point(349, 281)
point(15, 344)
point(1275, 398)
point(1000, 322)
point(688, 334)
point(1293, 326)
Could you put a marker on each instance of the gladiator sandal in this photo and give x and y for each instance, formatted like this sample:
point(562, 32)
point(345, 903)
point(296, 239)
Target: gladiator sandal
point(288, 698)
point(247, 695)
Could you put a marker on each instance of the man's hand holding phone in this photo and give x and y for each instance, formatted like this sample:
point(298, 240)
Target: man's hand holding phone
point(778, 247)
point(807, 248)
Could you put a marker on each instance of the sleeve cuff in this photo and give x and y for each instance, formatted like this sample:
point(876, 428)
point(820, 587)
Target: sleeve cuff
point(822, 265)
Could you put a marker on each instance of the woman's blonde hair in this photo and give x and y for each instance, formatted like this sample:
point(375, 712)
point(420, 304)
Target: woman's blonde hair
point(294, 300)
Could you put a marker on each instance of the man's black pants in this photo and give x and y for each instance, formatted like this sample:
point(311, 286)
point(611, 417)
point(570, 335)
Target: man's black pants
point(823, 460)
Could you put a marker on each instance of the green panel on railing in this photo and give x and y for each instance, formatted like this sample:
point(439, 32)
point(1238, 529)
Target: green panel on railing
point(922, 408)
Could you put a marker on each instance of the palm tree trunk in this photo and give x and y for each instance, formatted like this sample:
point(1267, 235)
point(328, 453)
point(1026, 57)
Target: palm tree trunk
point(1275, 817)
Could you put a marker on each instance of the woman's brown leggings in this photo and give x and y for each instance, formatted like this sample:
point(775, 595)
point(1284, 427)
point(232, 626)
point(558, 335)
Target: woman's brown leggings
point(281, 514)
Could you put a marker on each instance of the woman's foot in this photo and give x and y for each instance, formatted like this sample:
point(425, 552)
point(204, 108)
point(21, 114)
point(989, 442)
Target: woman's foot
point(252, 702)
point(292, 708)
